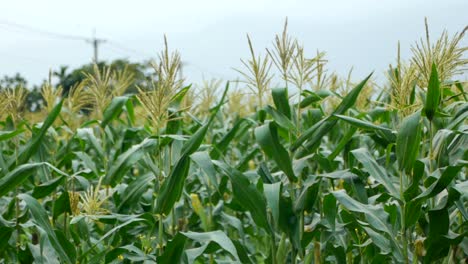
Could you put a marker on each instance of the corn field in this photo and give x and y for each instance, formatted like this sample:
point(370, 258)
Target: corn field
point(315, 168)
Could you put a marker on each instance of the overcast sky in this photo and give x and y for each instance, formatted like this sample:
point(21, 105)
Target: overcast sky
point(211, 34)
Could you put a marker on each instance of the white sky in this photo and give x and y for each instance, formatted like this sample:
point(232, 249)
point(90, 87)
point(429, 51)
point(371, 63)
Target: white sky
point(210, 34)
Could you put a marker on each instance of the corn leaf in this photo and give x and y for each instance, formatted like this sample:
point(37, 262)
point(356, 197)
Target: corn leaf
point(375, 170)
point(267, 138)
point(14, 178)
point(433, 94)
point(42, 220)
point(281, 100)
point(113, 110)
point(408, 140)
point(315, 133)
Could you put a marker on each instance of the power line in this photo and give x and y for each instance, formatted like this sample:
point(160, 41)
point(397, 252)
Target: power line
point(43, 32)
point(95, 42)
point(123, 48)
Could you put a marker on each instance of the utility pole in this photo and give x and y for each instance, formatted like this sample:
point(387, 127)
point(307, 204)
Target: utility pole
point(95, 42)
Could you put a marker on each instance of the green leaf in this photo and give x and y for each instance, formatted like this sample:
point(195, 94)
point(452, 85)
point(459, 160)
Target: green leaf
point(351, 97)
point(247, 195)
point(134, 192)
point(272, 194)
point(5, 234)
point(330, 209)
point(218, 237)
point(413, 188)
point(126, 160)
point(203, 160)
point(41, 218)
point(87, 162)
point(113, 110)
point(308, 196)
point(264, 173)
point(193, 253)
point(41, 191)
point(195, 141)
point(375, 215)
point(5, 135)
point(179, 96)
point(242, 252)
point(130, 112)
point(342, 143)
point(412, 212)
point(362, 124)
point(280, 119)
point(172, 188)
point(129, 220)
point(289, 222)
point(313, 97)
point(379, 240)
point(221, 146)
point(433, 94)
point(88, 136)
point(317, 131)
point(17, 176)
point(61, 205)
point(438, 227)
point(66, 245)
point(234, 222)
point(174, 250)
point(267, 138)
point(408, 140)
point(281, 100)
point(36, 140)
point(440, 184)
point(375, 170)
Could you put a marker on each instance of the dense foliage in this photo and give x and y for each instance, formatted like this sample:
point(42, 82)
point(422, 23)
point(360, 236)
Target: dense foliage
point(338, 173)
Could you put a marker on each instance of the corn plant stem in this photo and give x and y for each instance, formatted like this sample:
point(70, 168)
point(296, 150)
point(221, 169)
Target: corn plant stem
point(273, 248)
point(260, 99)
point(18, 228)
point(174, 219)
point(294, 256)
point(65, 221)
point(360, 249)
point(317, 255)
point(210, 209)
point(104, 148)
point(298, 114)
point(157, 189)
point(415, 257)
point(349, 257)
point(292, 194)
point(292, 187)
point(161, 226)
point(299, 132)
point(210, 217)
point(430, 146)
point(403, 224)
point(461, 222)
point(431, 200)
point(160, 234)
